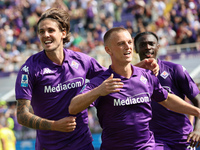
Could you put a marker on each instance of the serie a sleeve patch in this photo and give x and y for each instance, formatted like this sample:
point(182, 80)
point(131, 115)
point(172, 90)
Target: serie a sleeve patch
point(24, 80)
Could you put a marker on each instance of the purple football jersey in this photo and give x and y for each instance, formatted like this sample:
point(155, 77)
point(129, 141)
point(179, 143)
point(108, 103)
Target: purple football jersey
point(168, 126)
point(124, 116)
point(50, 87)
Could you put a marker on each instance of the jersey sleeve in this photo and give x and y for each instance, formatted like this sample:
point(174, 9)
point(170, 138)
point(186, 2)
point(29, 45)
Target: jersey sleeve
point(24, 82)
point(159, 93)
point(185, 82)
point(94, 69)
point(89, 86)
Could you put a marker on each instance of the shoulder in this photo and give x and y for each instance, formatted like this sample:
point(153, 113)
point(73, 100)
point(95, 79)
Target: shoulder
point(171, 65)
point(34, 60)
point(36, 57)
point(142, 71)
point(86, 61)
point(101, 77)
point(176, 70)
point(77, 55)
point(34, 64)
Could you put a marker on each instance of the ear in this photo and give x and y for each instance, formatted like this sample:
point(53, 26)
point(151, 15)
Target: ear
point(64, 34)
point(107, 49)
point(158, 46)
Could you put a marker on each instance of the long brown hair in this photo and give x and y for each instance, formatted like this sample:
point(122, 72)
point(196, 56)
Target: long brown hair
point(61, 17)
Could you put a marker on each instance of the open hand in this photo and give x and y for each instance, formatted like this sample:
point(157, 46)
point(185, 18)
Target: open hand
point(110, 85)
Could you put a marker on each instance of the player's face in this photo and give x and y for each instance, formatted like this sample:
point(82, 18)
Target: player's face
point(50, 36)
point(121, 47)
point(147, 46)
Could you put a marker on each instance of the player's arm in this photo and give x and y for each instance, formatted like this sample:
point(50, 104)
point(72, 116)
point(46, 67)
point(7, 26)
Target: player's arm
point(26, 118)
point(190, 117)
point(195, 135)
point(186, 84)
point(83, 101)
point(196, 102)
point(31, 109)
point(150, 64)
point(176, 104)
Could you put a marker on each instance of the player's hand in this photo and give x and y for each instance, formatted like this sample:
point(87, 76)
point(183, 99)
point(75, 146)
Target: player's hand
point(110, 85)
point(152, 65)
point(66, 124)
point(194, 138)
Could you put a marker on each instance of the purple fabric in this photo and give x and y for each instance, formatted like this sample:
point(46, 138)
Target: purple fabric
point(168, 126)
point(125, 116)
point(50, 87)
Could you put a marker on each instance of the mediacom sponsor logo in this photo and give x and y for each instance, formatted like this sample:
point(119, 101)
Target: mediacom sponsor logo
point(64, 86)
point(132, 100)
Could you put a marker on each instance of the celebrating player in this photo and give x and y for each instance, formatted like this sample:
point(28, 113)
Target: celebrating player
point(123, 95)
point(170, 128)
point(48, 81)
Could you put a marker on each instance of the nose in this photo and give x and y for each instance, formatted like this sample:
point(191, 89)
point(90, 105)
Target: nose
point(128, 45)
point(46, 34)
point(148, 46)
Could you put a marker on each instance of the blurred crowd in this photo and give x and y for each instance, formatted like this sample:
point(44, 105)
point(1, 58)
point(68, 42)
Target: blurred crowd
point(174, 21)
point(8, 120)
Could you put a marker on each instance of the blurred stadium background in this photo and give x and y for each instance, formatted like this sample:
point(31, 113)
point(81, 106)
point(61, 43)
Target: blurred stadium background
point(176, 22)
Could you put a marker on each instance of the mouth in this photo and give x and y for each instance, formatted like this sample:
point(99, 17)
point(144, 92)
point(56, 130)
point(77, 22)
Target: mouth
point(127, 53)
point(48, 42)
point(149, 54)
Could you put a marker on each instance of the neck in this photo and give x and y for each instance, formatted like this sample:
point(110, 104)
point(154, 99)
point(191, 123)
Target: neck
point(56, 56)
point(125, 71)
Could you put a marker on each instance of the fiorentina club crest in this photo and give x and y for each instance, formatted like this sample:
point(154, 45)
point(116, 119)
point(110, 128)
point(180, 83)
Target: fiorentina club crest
point(164, 74)
point(143, 79)
point(74, 64)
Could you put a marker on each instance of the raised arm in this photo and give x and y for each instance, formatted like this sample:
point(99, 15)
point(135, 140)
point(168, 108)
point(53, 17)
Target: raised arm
point(26, 118)
point(150, 64)
point(83, 101)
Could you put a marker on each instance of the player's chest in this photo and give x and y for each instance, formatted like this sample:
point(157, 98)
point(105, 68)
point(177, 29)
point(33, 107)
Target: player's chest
point(62, 75)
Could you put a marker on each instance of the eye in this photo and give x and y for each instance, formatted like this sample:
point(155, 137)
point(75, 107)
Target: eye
point(151, 43)
point(51, 30)
point(120, 43)
point(142, 45)
point(41, 32)
point(130, 42)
